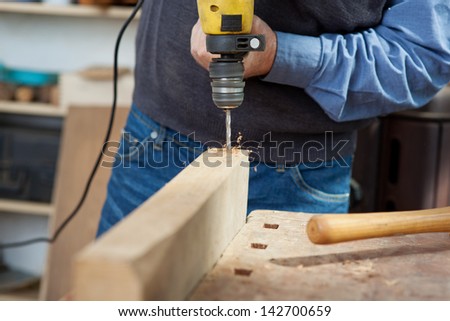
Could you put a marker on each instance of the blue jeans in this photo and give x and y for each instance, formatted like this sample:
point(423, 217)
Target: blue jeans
point(150, 155)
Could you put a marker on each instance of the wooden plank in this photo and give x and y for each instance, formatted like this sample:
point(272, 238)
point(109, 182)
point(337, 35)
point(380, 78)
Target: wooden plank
point(26, 294)
point(35, 109)
point(163, 249)
point(84, 130)
point(280, 263)
point(26, 207)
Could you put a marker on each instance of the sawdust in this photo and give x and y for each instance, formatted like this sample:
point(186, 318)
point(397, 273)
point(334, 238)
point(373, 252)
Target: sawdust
point(360, 267)
point(239, 139)
point(237, 146)
point(268, 266)
point(390, 282)
point(360, 270)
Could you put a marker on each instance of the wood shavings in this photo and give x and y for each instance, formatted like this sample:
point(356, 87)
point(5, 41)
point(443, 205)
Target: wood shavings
point(239, 139)
point(360, 267)
point(390, 282)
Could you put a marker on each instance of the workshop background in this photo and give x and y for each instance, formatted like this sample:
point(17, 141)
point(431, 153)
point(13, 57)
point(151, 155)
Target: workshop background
point(55, 93)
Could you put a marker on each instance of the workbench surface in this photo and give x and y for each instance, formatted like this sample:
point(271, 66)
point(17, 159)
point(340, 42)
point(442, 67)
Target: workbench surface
point(272, 259)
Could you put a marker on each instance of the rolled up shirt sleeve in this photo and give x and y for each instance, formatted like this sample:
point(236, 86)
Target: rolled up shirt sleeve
point(400, 64)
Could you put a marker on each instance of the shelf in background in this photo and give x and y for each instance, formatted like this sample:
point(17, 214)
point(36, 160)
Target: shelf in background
point(25, 207)
point(36, 109)
point(70, 10)
point(26, 294)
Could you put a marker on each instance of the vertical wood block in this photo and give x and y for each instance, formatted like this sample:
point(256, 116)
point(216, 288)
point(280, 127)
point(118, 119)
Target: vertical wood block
point(164, 248)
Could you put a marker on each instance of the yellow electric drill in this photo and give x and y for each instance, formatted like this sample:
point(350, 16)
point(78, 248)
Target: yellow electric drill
point(228, 24)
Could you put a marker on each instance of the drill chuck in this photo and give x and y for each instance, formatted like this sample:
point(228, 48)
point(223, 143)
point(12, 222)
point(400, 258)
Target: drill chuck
point(227, 82)
point(227, 72)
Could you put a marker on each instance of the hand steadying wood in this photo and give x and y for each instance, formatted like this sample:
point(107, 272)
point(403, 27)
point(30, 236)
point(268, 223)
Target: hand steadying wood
point(335, 228)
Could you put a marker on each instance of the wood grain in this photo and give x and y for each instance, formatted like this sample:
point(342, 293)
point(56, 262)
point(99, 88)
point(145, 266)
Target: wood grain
point(290, 267)
point(163, 249)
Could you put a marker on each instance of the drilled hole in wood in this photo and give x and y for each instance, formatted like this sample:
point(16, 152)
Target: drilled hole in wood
point(259, 246)
point(272, 226)
point(243, 272)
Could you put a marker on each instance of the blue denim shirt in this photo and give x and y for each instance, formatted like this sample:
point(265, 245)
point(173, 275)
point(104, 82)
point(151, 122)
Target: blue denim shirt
point(399, 64)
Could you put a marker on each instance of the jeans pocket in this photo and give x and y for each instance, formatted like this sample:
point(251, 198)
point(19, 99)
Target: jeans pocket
point(131, 147)
point(325, 184)
point(138, 136)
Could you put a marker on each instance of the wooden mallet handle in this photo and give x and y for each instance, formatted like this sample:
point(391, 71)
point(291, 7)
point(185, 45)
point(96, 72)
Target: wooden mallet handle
point(335, 228)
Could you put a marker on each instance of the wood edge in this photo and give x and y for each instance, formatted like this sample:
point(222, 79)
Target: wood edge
point(105, 249)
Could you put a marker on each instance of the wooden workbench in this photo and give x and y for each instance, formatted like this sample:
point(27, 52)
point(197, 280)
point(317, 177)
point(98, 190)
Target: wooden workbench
point(272, 259)
point(191, 240)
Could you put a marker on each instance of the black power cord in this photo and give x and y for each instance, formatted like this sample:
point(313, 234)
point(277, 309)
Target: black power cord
point(100, 155)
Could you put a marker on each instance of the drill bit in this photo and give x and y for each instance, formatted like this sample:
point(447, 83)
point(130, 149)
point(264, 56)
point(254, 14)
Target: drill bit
point(228, 127)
